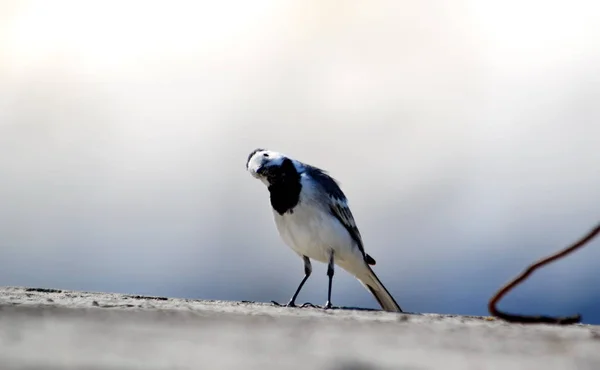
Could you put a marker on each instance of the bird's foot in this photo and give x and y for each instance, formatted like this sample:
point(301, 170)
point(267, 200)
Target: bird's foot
point(289, 304)
point(327, 306)
point(293, 304)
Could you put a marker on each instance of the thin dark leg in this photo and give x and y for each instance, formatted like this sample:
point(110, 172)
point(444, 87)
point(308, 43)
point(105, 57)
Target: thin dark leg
point(307, 272)
point(330, 274)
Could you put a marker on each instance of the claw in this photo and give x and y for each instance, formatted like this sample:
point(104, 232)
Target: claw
point(289, 304)
point(308, 304)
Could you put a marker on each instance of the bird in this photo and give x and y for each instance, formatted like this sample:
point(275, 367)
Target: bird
point(313, 218)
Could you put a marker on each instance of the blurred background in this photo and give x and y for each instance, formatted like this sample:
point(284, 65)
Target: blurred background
point(465, 134)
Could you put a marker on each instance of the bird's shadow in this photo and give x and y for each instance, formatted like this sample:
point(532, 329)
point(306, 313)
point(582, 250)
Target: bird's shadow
point(309, 305)
point(363, 309)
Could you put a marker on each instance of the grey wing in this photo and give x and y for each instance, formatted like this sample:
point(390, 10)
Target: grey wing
point(338, 206)
point(340, 210)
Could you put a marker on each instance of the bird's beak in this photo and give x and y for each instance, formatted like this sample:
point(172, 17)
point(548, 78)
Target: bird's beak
point(259, 171)
point(262, 170)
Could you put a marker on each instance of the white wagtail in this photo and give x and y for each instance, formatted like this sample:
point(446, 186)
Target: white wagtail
point(312, 216)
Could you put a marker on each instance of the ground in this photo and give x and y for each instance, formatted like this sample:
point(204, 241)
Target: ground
point(59, 329)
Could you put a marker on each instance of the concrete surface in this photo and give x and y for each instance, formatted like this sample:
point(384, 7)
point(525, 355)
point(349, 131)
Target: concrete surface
point(46, 329)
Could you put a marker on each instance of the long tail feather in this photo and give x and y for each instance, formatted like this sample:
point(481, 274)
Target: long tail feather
point(381, 294)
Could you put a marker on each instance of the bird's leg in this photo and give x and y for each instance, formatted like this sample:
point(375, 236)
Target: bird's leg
point(330, 274)
point(307, 272)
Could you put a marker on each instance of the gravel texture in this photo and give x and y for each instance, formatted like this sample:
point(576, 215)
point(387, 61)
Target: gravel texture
point(59, 329)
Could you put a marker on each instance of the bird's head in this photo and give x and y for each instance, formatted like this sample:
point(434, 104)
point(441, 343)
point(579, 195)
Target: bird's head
point(270, 167)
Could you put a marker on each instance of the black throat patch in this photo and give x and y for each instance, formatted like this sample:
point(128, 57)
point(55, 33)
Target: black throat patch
point(284, 187)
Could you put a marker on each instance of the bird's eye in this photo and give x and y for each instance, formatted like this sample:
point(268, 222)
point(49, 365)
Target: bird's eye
point(266, 155)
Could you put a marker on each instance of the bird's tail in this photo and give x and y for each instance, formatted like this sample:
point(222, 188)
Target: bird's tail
point(381, 294)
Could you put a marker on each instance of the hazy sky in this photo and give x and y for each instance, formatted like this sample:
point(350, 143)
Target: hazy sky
point(465, 135)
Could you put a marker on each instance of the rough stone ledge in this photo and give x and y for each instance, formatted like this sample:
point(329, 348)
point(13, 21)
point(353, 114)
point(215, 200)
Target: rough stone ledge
point(61, 329)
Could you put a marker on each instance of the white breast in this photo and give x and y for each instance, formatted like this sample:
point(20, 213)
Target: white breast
point(312, 232)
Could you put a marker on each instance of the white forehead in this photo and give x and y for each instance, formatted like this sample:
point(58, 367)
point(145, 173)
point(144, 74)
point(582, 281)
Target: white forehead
point(271, 154)
point(263, 156)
